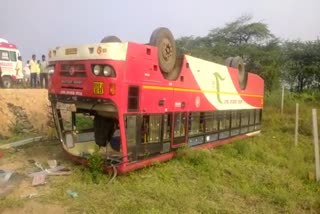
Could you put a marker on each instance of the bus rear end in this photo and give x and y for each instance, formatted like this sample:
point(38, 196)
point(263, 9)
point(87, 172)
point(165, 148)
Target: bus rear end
point(84, 97)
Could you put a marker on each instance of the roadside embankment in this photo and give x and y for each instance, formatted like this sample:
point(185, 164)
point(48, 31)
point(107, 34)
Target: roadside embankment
point(23, 111)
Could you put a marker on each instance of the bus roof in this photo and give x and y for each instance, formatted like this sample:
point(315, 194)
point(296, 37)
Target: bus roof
point(113, 51)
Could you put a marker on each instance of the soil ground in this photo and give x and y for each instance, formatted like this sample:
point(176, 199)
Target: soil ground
point(21, 162)
point(23, 111)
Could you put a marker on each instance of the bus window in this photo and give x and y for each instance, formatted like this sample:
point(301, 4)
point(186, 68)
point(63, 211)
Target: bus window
point(151, 125)
point(13, 56)
point(154, 128)
point(4, 55)
point(67, 119)
point(131, 132)
point(194, 123)
point(208, 118)
point(133, 98)
point(211, 122)
point(179, 124)
point(235, 119)
point(202, 122)
point(244, 118)
point(224, 121)
point(235, 123)
point(258, 116)
point(251, 117)
point(215, 122)
point(84, 126)
point(166, 127)
point(84, 122)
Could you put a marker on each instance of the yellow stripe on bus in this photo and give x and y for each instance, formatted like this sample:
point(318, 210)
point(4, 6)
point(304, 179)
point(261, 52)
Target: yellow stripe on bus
point(151, 87)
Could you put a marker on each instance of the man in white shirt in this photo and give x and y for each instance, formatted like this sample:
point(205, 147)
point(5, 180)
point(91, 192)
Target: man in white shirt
point(26, 73)
point(19, 74)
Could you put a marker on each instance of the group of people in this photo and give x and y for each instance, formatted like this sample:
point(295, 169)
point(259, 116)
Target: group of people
point(34, 73)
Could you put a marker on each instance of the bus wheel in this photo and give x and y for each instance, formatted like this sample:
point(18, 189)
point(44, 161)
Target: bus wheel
point(228, 61)
point(163, 39)
point(237, 62)
point(108, 39)
point(7, 82)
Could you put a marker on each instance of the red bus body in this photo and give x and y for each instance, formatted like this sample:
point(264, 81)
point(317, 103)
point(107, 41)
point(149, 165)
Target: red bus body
point(205, 101)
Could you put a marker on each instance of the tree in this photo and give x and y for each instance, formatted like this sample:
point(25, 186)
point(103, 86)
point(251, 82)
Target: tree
point(302, 64)
point(242, 31)
point(252, 41)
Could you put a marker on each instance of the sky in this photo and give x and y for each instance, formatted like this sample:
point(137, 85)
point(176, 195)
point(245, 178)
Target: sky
point(37, 25)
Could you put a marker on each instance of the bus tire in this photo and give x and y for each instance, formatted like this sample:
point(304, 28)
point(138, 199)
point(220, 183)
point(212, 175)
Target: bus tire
point(7, 82)
point(108, 39)
point(237, 62)
point(163, 39)
point(228, 61)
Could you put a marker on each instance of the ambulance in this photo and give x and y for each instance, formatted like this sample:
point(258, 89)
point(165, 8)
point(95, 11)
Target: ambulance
point(9, 54)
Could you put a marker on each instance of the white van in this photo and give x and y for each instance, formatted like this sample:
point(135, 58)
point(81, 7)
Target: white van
point(9, 54)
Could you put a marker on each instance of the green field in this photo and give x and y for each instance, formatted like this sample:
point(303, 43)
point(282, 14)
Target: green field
point(262, 174)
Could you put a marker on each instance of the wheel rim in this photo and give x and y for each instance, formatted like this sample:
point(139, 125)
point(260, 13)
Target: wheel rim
point(166, 50)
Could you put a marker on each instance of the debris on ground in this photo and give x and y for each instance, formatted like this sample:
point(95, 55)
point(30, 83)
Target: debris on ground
point(31, 195)
point(52, 163)
point(39, 179)
point(39, 166)
point(72, 194)
point(58, 170)
point(8, 181)
point(54, 170)
point(19, 143)
point(5, 176)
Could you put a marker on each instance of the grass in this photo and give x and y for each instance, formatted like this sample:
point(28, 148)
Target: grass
point(262, 174)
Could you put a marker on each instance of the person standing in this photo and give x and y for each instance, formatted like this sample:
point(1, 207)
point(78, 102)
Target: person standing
point(33, 71)
point(26, 73)
point(43, 72)
point(19, 74)
point(38, 73)
point(1, 83)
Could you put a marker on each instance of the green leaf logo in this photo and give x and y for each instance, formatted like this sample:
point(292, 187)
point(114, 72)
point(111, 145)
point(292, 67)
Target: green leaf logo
point(218, 79)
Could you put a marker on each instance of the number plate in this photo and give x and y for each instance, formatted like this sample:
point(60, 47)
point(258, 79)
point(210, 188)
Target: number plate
point(66, 107)
point(71, 51)
point(98, 88)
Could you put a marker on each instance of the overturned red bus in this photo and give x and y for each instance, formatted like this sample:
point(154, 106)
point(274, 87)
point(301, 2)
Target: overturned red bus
point(156, 100)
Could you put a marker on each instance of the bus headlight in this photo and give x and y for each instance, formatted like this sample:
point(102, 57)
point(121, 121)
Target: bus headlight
point(96, 69)
point(107, 71)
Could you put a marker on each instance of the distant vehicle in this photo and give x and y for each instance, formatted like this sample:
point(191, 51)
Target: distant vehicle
point(9, 54)
point(160, 101)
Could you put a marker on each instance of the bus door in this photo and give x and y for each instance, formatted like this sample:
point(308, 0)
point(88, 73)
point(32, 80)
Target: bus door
point(179, 129)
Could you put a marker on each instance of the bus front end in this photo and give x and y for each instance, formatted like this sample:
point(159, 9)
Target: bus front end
point(84, 97)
